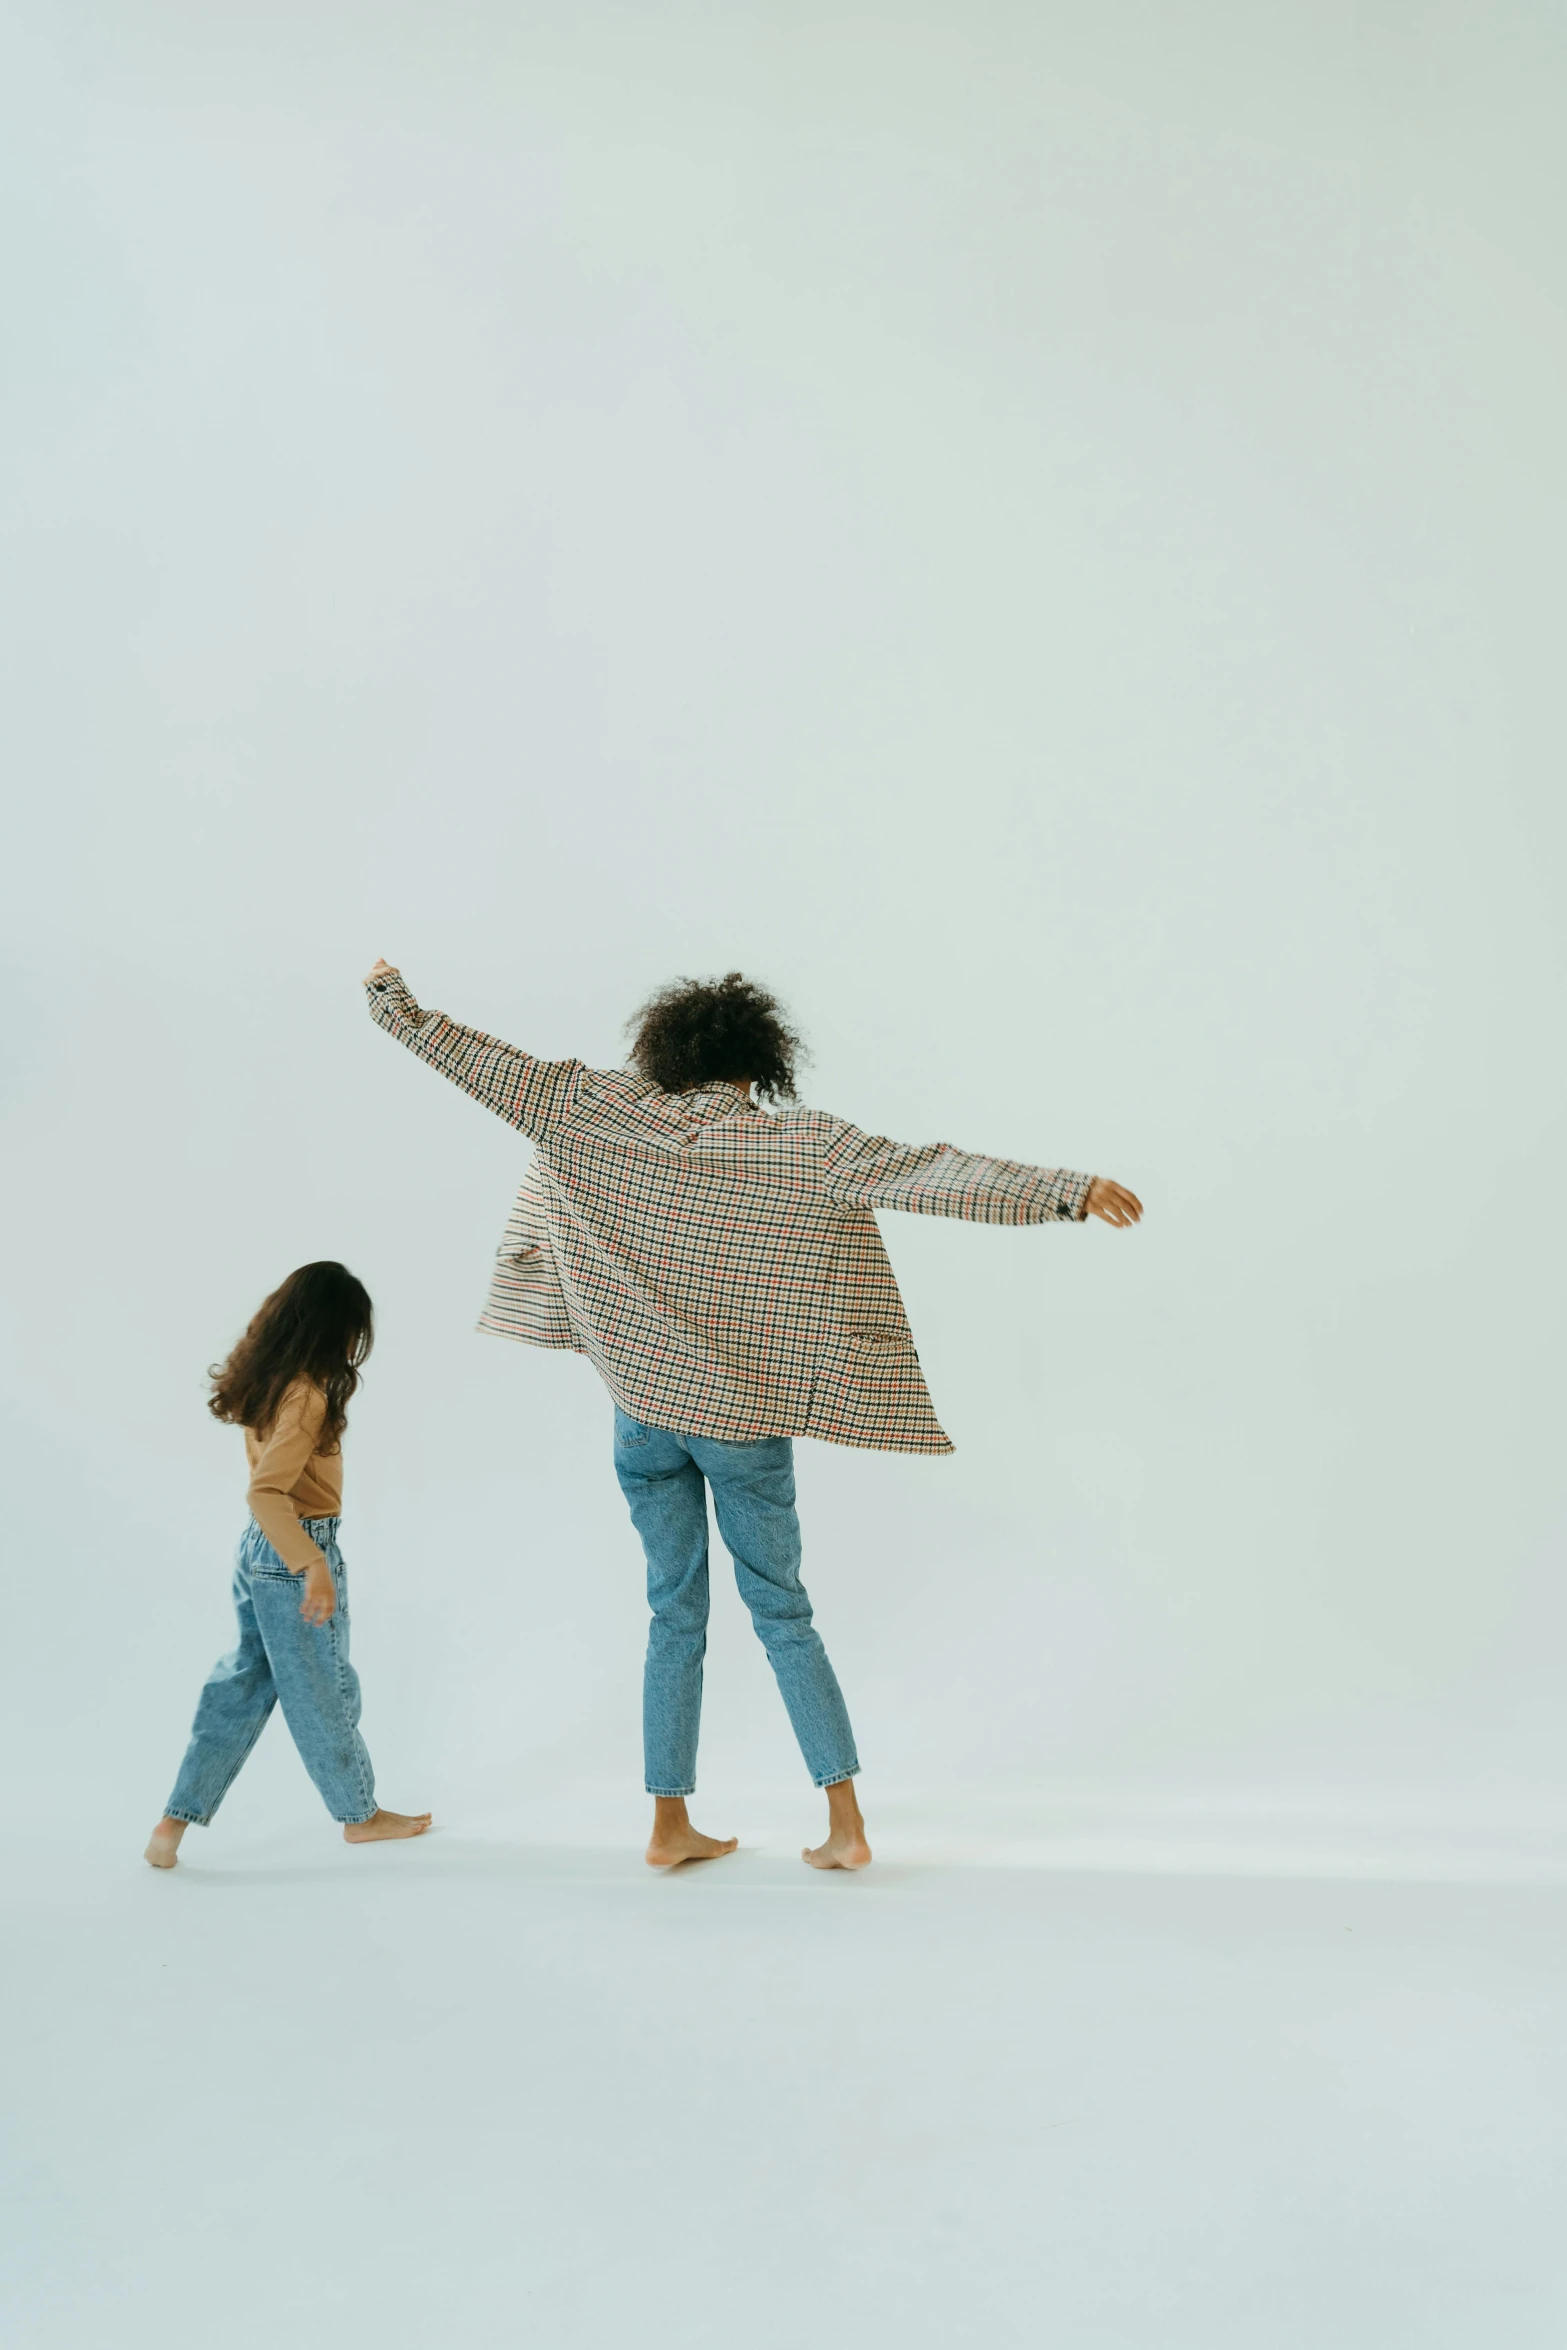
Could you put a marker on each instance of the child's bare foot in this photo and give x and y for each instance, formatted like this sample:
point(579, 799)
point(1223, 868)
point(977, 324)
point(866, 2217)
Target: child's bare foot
point(163, 1845)
point(845, 1847)
point(674, 1839)
point(381, 1826)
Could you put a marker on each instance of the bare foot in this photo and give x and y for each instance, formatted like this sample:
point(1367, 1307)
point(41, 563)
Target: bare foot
point(845, 1847)
point(687, 1843)
point(674, 1839)
point(163, 1845)
point(382, 1826)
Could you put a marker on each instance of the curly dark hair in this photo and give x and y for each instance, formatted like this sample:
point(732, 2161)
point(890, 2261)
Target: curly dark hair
point(696, 1031)
point(316, 1325)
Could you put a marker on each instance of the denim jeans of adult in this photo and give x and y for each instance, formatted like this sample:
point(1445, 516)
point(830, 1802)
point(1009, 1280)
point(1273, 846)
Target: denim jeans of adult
point(279, 1658)
point(666, 1479)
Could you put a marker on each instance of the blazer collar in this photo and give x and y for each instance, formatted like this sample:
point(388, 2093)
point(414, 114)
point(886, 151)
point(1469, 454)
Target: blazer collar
point(722, 1099)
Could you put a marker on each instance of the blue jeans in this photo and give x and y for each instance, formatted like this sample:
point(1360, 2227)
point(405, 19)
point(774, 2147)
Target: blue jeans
point(665, 1478)
point(280, 1658)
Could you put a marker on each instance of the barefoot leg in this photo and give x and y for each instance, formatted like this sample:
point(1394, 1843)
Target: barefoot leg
point(674, 1839)
point(385, 1827)
point(845, 1847)
point(163, 1845)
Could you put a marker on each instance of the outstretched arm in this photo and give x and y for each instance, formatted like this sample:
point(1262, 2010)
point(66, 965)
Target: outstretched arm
point(530, 1095)
point(933, 1179)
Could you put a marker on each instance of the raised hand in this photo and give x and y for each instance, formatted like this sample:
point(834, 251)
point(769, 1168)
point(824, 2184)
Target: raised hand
point(1113, 1203)
point(383, 970)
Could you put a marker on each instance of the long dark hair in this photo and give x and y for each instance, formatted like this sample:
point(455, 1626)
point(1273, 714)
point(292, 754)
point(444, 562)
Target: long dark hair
point(316, 1325)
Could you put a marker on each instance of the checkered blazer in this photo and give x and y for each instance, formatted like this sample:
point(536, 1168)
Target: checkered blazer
point(720, 1267)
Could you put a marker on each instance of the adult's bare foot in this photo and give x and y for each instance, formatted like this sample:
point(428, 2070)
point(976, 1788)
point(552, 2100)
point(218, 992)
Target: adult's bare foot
point(382, 1826)
point(845, 1847)
point(163, 1845)
point(675, 1840)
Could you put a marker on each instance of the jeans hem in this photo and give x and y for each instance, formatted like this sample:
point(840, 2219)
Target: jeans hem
point(206, 1818)
point(839, 1778)
point(355, 1819)
point(669, 1793)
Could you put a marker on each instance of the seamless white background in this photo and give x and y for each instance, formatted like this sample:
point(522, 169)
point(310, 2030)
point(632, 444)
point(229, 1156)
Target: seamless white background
point(1035, 532)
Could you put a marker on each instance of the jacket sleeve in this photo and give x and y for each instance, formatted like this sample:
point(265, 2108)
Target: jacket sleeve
point(531, 1095)
point(934, 1179)
point(285, 1450)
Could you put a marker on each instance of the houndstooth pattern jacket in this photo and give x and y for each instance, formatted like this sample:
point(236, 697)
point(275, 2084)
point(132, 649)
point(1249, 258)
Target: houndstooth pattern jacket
point(719, 1266)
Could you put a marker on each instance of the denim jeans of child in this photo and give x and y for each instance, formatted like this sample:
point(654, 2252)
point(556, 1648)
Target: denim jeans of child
point(666, 1479)
point(280, 1659)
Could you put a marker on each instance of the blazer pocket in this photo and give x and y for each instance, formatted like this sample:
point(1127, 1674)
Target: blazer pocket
point(522, 1274)
point(871, 1338)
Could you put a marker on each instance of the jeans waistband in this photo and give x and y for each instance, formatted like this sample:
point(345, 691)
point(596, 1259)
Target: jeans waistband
point(318, 1529)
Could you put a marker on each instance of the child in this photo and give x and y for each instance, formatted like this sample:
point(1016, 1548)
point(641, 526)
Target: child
point(287, 1384)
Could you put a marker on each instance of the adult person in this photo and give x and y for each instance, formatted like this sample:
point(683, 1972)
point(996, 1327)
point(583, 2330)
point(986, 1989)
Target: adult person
point(722, 1270)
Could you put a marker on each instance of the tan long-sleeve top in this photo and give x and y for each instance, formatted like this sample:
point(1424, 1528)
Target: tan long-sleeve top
point(289, 1479)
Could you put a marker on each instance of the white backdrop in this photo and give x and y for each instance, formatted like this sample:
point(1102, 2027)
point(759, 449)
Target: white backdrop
point(1034, 532)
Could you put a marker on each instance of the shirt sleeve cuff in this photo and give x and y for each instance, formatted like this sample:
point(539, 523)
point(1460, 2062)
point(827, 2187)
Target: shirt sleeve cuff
point(391, 1004)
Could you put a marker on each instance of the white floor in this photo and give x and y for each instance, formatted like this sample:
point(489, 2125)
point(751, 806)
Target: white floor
point(488, 2092)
